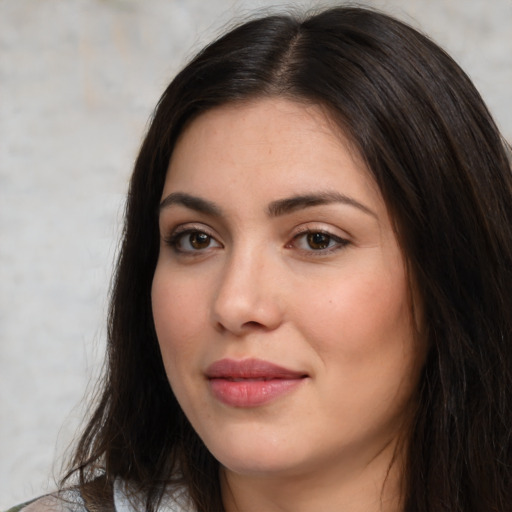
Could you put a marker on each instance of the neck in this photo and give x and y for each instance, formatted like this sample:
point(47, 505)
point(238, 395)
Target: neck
point(372, 486)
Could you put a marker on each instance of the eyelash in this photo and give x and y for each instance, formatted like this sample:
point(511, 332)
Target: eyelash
point(175, 239)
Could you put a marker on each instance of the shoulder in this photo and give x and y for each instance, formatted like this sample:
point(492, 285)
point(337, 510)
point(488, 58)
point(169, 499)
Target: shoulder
point(175, 499)
point(68, 501)
point(123, 499)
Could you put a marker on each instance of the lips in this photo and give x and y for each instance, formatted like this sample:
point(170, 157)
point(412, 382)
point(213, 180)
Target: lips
point(251, 382)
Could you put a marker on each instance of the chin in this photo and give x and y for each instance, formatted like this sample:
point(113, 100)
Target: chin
point(256, 458)
point(260, 466)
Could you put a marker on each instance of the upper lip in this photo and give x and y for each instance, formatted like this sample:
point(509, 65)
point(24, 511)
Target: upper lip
point(250, 369)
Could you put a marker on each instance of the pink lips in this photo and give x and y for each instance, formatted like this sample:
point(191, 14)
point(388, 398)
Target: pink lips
point(250, 382)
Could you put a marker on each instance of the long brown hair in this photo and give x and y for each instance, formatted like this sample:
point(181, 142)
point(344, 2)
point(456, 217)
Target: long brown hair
point(438, 158)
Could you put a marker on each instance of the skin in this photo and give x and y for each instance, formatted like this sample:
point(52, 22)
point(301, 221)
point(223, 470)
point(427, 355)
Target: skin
point(257, 287)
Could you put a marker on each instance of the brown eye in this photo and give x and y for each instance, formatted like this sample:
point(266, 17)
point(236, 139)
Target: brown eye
point(192, 241)
point(199, 240)
point(318, 241)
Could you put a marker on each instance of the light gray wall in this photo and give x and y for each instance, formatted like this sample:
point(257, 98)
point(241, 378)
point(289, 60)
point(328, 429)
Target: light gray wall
point(78, 80)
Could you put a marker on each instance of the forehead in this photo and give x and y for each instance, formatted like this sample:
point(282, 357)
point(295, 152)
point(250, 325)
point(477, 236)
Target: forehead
point(261, 120)
point(273, 144)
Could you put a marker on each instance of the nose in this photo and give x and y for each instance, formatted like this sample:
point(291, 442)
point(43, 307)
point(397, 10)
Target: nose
point(248, 295)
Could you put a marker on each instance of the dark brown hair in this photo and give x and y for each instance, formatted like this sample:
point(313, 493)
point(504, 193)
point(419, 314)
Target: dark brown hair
point(437, 156)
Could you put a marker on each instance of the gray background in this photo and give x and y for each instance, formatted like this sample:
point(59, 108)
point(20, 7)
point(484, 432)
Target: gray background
point(78, 80)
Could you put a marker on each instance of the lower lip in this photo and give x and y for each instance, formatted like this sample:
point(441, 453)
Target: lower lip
point(251, 393)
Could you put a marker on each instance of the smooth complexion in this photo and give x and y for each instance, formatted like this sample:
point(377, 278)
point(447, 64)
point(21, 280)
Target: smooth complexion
point(277, 251)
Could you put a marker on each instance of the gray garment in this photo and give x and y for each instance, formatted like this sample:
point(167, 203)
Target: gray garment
point(176, 500)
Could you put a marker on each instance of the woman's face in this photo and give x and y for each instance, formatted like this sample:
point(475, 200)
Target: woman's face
point(280, 297)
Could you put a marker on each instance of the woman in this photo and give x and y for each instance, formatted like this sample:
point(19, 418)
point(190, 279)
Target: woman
point(317, 258)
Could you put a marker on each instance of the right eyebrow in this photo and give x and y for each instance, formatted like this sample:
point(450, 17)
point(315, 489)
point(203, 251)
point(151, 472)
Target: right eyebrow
point(191, 202)
point(291, 204)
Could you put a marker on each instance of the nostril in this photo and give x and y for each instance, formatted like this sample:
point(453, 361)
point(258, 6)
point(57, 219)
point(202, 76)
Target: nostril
point(253, 325)
point(244, 328)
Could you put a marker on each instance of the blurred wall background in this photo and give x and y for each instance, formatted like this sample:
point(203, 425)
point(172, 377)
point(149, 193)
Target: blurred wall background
point(78, 81)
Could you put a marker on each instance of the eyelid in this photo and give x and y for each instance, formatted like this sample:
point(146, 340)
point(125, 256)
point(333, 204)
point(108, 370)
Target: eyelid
point(188, 226)
point(320, 227)
point(192, 226)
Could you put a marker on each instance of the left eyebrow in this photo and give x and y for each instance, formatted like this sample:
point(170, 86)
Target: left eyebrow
point(192, 202)
point(291, 204)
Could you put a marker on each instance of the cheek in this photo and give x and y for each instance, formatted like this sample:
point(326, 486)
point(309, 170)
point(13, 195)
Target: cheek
point(363, 333)
point(355, 312)
point(177, 315)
